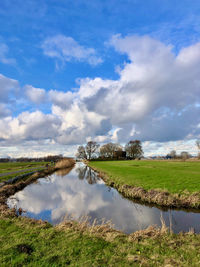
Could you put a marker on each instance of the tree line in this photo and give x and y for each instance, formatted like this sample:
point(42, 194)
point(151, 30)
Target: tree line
point(92, 150)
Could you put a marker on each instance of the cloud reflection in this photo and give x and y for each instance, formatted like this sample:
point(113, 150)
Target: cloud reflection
point(63, 194)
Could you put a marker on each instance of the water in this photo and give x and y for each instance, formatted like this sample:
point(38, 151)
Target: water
point(81, 192)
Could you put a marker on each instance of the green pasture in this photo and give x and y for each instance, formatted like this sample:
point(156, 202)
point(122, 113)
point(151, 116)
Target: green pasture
point(173, 176)
point(25, 243)
point(17, 166)
point(13, 169)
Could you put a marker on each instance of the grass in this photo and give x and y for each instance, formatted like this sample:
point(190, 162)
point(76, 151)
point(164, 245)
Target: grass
point(17, 166)
point(173, 176)
point(7, 177)
point(25, 242)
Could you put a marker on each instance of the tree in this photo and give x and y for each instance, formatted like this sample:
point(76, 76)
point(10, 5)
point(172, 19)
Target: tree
point(91, 148)
point(134, 149)
point(173, 154)
point(81, 153)
point(198, 147)
point(88, 151)
point(185, 155)
point(109, 149)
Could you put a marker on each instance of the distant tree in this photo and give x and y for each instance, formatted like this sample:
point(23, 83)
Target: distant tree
point(109, 149)
point(134, 149)
point(88, 151)
point(198, 147)
point(184, 155)
point(173, 154)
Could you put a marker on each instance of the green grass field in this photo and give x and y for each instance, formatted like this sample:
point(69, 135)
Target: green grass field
point(9, 167)
point(17, 166)
point(173, 176)
point(25, 243)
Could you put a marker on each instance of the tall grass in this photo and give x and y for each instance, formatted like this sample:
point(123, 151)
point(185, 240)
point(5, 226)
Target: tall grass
point(65, 163)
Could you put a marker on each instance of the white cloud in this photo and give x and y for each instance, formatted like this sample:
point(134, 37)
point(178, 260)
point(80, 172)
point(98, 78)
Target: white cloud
point(66, 49)
point(29, 126)
point(4, 111)
point(35, 95)
point(4, 58)
point(8, 87)
point(156, 98)
point(156, 94)
point(61, 99)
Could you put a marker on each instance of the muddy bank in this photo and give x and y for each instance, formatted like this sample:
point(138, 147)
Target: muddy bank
point(153, 196)
point(8, 190)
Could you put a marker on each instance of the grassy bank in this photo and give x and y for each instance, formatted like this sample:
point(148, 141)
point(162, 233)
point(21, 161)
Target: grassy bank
point(17, 166)
point(25, 242)
point(10, 170)
point(8, 190)
point(10, 176)
point(13, 169)
point(167, 183)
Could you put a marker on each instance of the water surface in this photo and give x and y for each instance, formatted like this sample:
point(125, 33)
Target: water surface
point(80, 192)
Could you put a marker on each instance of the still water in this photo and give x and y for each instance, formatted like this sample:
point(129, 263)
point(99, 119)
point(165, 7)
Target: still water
point(80, 192)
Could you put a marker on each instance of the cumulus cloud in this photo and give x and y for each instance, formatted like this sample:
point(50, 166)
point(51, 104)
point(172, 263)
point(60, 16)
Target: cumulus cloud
point(156, 98)
point(8, 87)
point(157, 94)
point(29, 126)
point(78, 124)
point(4, 58)
point(35, 95)
point(61, 99)
point(8, 91)
point(66, 49)
point(4, 111)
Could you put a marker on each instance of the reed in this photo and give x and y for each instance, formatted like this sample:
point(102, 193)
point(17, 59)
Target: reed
point(65, 163)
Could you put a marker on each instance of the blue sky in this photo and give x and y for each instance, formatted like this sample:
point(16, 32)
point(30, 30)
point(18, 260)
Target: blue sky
point(49, 47)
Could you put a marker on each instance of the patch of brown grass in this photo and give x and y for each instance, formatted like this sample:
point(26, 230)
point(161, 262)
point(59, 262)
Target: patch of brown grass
point(104, 230)
point(65, 163)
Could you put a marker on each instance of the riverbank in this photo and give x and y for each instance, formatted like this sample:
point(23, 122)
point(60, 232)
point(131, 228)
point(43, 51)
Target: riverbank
point(9, 170)
point(10, 189)
point(29, 242)
point(164, 183)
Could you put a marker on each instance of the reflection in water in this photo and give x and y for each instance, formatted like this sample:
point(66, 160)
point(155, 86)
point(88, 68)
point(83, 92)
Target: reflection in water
point(85, 172)
point(63, 172)
point(70, 193)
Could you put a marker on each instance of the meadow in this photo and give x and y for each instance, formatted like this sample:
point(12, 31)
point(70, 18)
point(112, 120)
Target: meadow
point(173, 176)
point(25, 242)
point(11, 169)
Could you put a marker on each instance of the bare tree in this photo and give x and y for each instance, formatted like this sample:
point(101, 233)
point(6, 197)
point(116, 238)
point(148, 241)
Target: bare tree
point(184, 155)
point(81, 153)
point(88, 151)
point(198, 146)
point(134, 149)
point(109, 149)
point(91, 149)
point(173, 154)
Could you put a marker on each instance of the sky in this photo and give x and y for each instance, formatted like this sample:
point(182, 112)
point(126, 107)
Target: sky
point(108, 71)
